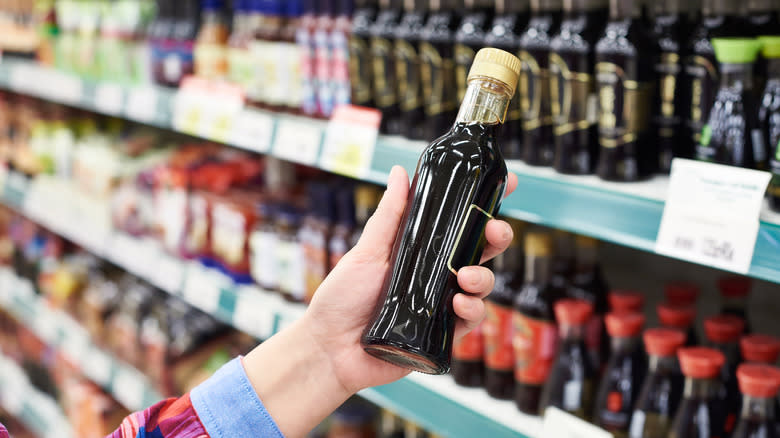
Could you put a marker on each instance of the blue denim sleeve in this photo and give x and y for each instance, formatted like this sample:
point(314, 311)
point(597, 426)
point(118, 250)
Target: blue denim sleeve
point(229, 407)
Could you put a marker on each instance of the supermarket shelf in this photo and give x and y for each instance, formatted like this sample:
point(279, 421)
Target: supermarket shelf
point(126, 384)
point(35, 409)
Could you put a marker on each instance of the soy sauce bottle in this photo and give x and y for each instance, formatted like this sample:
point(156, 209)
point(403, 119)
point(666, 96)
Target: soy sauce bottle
point(680, 317)
point(723, 333)
point(384, 80)
point(510, 20)
point(437, 67)
point(533, 320)
point(662, 389)
point(574, 103)
point(762, 20)
point(760, 348)
point(534, 86)
point(570, 385)
point(624, 374)
point(360, 63)
point(626, 301)
point(469, 38)
point(760, 385)
point(734, 294)
point(458, 186)
point(681, 293)
point(671, 27)
point(407, 65)
point(624, 74)
point(769, 115)
point(732, 135)
point(701, 413)
point(468, 365)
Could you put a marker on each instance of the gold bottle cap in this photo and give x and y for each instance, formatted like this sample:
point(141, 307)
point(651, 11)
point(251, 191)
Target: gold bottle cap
point(497, 64)
point(538, 243)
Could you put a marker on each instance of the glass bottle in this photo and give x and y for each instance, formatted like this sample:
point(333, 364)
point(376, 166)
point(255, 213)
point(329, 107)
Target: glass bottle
point(338, 43)
point(563, 258)
point(626, 301)
point(574, 103)
point(407, 64)
point(262, 244)
point(762, 20)
point(534, 86)
point(468, 365)
point(459, 184)
point(723, 332)
point(324, 57)
point(681, 293)
point(290, 63)
point(734, 294)
point(671, 26)
point(619, 387)
point(239, 62)
point(700, 414)
point(662, 389)
point(588, 284)
point(315, 235)
point(760, 385)
point(535, 334)
point(289, 254)
point(383, 63)
point(390, 425)
point(679, 317)
point(569, 386)
point(624, 74)
point(732, 135)
point(437, 67)
point(510, 20)
point(469, 38)
point(211, 44)
point(181, 60)
point(304, 38)
point(360, 66)
point(760, 348)
point(497, 326)
point(769, 116)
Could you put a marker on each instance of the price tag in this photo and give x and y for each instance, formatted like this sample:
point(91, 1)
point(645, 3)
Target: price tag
point(255, 311)
point(297, 141)
point(7, 286)
point(142, 104)
point(253, 130)
point(138, 256)
point(97, 366)
point(711, 214)
point(350, 139)
point(168, 273)
point(128, 387)
point(202, 289)
point(207, 108)
point(62, 87)
point(74, 346)
point(108, 98)
point(15, 387)
point(45, 324)
point(560, 424)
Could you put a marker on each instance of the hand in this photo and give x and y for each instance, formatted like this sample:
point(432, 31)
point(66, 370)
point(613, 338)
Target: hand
point(345, 302)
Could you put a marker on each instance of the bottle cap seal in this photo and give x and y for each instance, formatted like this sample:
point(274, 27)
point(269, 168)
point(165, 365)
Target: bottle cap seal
point(758, 380)
point(723, 328)
point(681, 293)
point(663, 342)
point(680, 317)
point(760, 348)
point(573, 311)
point(771, 46)
point(497, 64)
point(626, 301)
point(736, 50)
point(700, 362)
point(734, 286)
point(624, 324)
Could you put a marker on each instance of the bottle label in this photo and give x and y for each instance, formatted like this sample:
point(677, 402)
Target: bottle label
point(407, 65)
point(625, 106)
point(469, 347)
point(322, 73)
point(438, 75)
point(210, 60)
point(263, 258)
point(637, 428)
point(360, 70)
point(473, 211)
point(570, 94)
point(315, 260)
point(497, 329)
point(228, 234)
point(384, 72)
point(464, 57)
point(289, 259)
point(265, 83)
point(534, 343)
point(240, 68)
point(667, 71)
point(339, 68)
point(308, 90)
point(534, 90)
point(290, 75)
point(704, 77)
point(759, 150)
point(615, 414)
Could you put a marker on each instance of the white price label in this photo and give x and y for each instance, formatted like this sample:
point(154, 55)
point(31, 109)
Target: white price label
point(255, 311)
point(202, 288)
point(15, 387)
point(128, 387)
point(297, 141)
point(253, 130)
point(168, 273)
point(142, 104)
point(7, 286)
point(97, 366)
point(350, 139)
point(46, 325)
point(560, 424)
point(108, 98)
point(138, 256)
point(62, 87)
point(711, 214)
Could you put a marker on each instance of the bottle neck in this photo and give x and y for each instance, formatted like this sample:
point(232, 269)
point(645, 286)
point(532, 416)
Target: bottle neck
point(624, 9)
point(661, 364)
point(485, 102)
point(511, 6)
point(577, 6)
point(737, 76)
point(773, 68)
point(624, 344)
point(712, 8)
point(700, 388)
point(538, 6)
point(538, 269)
point(571, 331)
point(586, 259)
point(761, 409)
point(671, 7)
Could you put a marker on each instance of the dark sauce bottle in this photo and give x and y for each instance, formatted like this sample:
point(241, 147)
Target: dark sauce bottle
point(624, 74)
point(570, 385)
point(723, 332)
point(534, 87)
point(458, 186)
point(407, 65)
point(469, 38)
point(619, 387)
point(732, 135)
point(762, 20)
point(510, 20)
point(760, 385)
point(468, 364)
point(360, 64)
point(533, 321)
point(679, 317)
point(671, 28)
point(626, 301)
point(700, 414)
point(760, 348)
point(681, 293)
point(769, 116)
point(734, 294)
point(437, 67)
point(573, 98)
point(662, 389)
point(563, 258)
point(383, 64)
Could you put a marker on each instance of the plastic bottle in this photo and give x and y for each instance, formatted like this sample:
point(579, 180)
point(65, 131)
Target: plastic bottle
point(701, 412)
point(323, 56)
point(211, 44)
point(290, 65)
point(626, 301)
point(723, 332)
point(304, 38)
point(759, 385)
point(679, 317)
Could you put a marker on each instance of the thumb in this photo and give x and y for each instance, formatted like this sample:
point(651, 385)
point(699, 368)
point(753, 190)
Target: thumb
point(378, 236)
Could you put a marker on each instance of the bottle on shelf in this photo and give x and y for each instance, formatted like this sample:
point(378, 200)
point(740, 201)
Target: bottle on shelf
point(366, 200)
point(240, 69)
point(159, 39)
point(179, 61)
point(210, 49)
point(760, 348)
point(701, 413)
point(760, 385)
point(510, 19)
point(622, 379)
point(534, 88)
point(290, 273)
point(624, 74)
point(468, 353)
point(323, 57)
point(469, 38)
point(338, 43)
point(563, 261)
point(408, 69)
point(268, 56)
point(569, 386)
point(574, 103)
point(681, 293)
point(732, 134)
point(290, 61)
point(360, 65)
point(723, 333)
point(458, 186)
point(262, 244)
point(390, 425)
point(340, 238)
point(316, 232)
point(533, 320)
point(734, 294)
point(626, 301)
point(437, 67)
point(769, 115)
point(662, 388)
point(671, 25)
point(384, 74)
point(679, 317)
point(762, 20)
point(304, 38)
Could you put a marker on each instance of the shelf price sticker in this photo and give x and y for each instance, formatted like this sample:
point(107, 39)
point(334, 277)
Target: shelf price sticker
point(128, 387)
point(97, 366)
point(203, 287)
point(561, 424)
point(108, 98)
point(207, 108)
point(253, 130)
point(350, 140)
point(298, 141)
point(142, 104)
point(711, 214)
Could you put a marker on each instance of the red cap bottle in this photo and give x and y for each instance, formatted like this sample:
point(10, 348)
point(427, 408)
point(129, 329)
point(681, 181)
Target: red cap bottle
point(723, 329)
point(734, 290)
point(701, 362)
point(570, 311)
point(624, 324)
point(679, 317)
point(681, 293)
point(760, 348)
point(760, 385)
point(663, 342)
point(758, 380)
point(701, 409)
point(626, 301)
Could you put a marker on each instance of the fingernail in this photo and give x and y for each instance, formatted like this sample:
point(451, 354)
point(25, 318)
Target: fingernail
point(507, 231)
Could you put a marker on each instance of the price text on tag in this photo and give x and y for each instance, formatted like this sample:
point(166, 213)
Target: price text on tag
point(297, 141)
point(350, 139)
point(711, 214)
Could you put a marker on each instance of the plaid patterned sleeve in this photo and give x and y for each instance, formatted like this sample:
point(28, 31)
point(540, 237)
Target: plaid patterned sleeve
point(172, 418)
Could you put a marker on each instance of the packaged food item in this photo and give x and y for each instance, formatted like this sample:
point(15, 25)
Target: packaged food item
point(210, 49)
